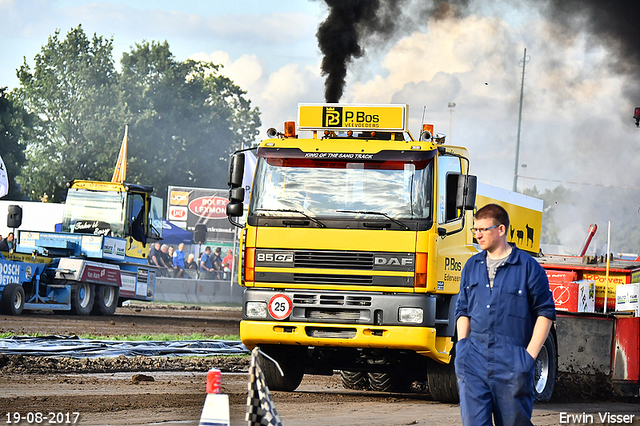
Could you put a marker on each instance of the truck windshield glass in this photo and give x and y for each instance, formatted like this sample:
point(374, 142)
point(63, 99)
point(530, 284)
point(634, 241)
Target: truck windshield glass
point(94, 212)
point(331, 189)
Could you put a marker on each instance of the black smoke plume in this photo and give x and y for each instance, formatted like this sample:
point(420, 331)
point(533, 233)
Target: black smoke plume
point(341, 35)
point(353, 25)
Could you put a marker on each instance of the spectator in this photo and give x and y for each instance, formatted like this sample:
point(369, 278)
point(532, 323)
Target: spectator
point(216, 261)
point(166, 259)
point(205, 264)
point(178, 260)
point(191, 262)
point(7, 244)
point(227, 263)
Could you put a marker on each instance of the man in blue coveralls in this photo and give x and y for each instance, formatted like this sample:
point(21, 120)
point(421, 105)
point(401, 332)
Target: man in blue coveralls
point(504, 313)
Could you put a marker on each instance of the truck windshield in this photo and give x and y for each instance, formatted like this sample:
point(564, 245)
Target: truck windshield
point(338, 189)
point(94, 212)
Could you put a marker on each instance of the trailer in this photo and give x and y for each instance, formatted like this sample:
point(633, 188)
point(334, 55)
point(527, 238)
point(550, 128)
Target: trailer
point(594, 342)
point(96, 261)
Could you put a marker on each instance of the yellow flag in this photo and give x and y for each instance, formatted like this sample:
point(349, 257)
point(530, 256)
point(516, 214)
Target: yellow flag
point(120, 173)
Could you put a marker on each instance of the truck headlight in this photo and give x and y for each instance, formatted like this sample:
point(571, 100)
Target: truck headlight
point(411, 315)
point(256, 310)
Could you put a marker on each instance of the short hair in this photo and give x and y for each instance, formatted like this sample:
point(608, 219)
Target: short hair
point(164, 246)
point(207, 249)
point(495, 212)
point(190, 257)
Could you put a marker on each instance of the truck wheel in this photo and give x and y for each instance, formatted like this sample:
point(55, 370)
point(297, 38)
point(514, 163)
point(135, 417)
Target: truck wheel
point(442, 381)
point(82, 299)
point(106, 300)
point(290, 362)
point(395, 381)
point(356, 380)
point(12, 301)
point(546, 370)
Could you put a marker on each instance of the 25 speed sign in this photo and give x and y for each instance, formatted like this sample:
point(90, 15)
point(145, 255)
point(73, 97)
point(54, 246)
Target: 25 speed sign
point(280, 306)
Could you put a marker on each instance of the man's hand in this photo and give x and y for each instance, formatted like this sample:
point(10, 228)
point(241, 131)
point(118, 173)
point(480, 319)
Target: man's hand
point(540, 332)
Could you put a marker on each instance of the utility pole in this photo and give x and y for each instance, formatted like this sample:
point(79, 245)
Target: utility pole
point(523, 62)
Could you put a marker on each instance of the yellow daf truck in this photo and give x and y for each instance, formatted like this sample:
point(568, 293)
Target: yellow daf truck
point(353, 247)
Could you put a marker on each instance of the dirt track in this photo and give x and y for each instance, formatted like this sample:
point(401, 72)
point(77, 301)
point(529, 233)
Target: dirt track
point(146, 391)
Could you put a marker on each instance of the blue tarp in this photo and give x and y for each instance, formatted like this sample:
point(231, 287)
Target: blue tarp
point(72, 346)
point(174, 235)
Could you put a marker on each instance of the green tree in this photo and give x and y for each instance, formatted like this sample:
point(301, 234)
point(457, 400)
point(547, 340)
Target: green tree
point(13, 120)
point(185, 119)
point(72, 92)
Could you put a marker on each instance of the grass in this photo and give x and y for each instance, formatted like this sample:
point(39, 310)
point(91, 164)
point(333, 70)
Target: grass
point(142, 337)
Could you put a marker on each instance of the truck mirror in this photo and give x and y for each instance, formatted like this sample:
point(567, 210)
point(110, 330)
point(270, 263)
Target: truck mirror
point(236, 170)
point(236, 195)
point(467, 186)
point(235, 209)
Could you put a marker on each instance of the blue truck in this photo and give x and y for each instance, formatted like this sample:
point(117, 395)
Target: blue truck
point(96, 261)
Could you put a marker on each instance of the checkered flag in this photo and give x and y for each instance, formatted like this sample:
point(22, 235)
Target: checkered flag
point(261, 410)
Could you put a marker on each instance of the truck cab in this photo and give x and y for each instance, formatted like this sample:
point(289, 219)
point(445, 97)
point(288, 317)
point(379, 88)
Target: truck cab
point(354, 243)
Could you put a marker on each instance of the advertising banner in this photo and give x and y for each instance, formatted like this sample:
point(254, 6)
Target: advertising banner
point(188, 207)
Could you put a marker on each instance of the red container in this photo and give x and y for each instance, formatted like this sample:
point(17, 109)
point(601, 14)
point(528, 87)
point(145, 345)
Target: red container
point(214, 380)
point(556, 276)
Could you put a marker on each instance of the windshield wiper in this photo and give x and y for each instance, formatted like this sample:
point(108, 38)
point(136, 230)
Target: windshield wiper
point(313, 219)
point(396, 221)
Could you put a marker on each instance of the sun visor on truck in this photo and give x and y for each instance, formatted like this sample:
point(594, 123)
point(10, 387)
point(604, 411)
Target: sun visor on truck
point(405, 156)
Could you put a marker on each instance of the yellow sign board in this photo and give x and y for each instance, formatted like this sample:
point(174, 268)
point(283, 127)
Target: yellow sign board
point(390, 118)
point(525, 215)
point(97, 186)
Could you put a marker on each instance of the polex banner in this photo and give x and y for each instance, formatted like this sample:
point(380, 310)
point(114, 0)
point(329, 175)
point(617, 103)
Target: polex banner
point(188, 207)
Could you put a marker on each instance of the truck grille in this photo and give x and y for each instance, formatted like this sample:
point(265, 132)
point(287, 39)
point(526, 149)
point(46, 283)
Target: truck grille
point(330, 299)
point(332, 279)
point(323, 314)
point(333, 260)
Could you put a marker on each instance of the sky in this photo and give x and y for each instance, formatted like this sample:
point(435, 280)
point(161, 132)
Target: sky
point(576, 127)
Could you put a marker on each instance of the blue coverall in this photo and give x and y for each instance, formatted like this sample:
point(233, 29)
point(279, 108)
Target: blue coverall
point(495, 372)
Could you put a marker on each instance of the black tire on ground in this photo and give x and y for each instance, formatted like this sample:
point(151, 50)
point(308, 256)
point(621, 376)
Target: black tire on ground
point(289, 359)
point(82, 296)
point(12, 301)
point(546, 370)
point(442, 381)
point(105, 300)
point(356, 380)
point(395, 381)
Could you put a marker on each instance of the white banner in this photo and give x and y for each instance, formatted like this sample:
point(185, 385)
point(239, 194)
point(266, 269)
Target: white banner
point(4, 179)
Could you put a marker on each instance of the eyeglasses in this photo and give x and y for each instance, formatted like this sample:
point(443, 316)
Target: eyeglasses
point(476, 230)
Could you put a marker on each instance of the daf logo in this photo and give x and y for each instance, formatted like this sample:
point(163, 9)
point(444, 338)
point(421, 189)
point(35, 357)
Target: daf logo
point(393, 261)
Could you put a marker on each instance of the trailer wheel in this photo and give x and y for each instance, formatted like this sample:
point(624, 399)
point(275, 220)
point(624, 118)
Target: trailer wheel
point(546, 370)
point(106, 300)
point(356, 380)
point(82, 299)
point(442, 380)
point(289, 359)
point(12, 301)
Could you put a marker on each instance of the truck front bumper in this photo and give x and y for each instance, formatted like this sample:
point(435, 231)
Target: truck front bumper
point(422, 340)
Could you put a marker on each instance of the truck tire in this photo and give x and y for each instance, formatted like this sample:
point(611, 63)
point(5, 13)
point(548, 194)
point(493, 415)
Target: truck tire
point(442, 381)
point(356, 380)
point(394, 381)
point(106, 300)
point(82, 296)
point(290, 363)
point(12, 302)
point(546, 370)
